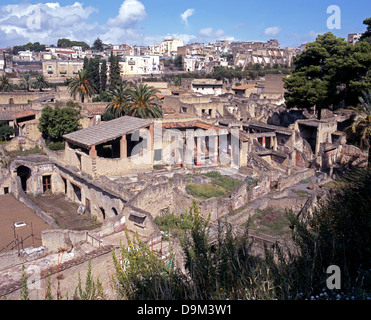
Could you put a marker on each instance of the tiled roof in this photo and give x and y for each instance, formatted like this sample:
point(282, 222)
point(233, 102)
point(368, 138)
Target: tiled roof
point(244, 86)
point(24, 114)
point(106, 131)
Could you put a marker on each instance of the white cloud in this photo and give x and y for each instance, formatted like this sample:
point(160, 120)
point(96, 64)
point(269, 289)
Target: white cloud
point(209, 33)
point(131, 12)
point(272, 31)
point(18, 23)
point(186, 14)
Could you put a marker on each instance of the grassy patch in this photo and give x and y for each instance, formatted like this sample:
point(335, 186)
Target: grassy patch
point(270, 221)
point(205, 191)
point(176, 224)
point(21, 153)
point(301, 193)
point(219, 186)
point(304, 181)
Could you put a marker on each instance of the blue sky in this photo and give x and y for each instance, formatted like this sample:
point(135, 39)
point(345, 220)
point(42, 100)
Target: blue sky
point(145, 22)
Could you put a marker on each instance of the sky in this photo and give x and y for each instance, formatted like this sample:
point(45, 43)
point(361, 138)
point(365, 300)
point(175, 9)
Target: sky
point(148, 22)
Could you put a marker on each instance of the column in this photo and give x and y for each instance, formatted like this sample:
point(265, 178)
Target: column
point(216, 150)
point(263, 142)
point(93, 152)
point(198, 159)
point(123, 147)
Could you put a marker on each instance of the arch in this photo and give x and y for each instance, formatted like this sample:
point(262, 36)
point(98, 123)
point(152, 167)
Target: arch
point(24, 173)
point(103, 212)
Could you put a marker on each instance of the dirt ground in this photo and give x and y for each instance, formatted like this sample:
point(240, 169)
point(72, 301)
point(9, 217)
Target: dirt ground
point(11, 211)
point(65, 212)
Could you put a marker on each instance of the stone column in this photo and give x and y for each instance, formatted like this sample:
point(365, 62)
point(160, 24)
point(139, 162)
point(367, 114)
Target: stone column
point(216, 150)
point(123, 147)
point(198, 161)
point(93, 152)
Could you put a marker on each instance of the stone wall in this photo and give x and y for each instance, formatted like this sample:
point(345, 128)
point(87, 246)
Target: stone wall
point(287, 181)
point(159, 198)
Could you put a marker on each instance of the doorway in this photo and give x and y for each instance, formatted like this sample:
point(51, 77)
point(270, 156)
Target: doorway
point(24, 173)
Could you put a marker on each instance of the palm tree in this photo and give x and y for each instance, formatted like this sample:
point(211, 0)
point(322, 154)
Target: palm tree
point(362, 125)
point(118, 106)
point(143, 102)
point(40, 82)
point(26, 80)
point(5, 85)
point(81, 85)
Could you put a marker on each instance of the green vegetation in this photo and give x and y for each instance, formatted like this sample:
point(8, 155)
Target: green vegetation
point(328, 73)
point(5, 84)
point(35, 47)
point(219, 186)
point(67, 43)
point(337, 233)
point(23, 153)
point(304, 181)
point(301, 193)
point(81, 86)
point(5, 131)
point(361, 128)
point(270, 221)
point(205, 191)
point(133, 100)
point(54, 123)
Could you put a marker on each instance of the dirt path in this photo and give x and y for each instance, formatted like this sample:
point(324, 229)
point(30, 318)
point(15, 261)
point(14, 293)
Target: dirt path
point(65, 213)
point(11, 211)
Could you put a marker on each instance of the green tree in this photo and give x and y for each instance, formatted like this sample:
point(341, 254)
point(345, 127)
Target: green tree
point(328, 74)
point(93, 74)
point(98, 45)
point(366, 36)
point(143, 102)
point(93, 290)
point(178, 62)
point(54, 123)
point(40, 83)
point(103, 76)
point(5, 131)
point(115, 77)
point(5, 85)
point(26, 81)
point(119, 104)
point(361, 127)
point(24, 293)
point(81, 86)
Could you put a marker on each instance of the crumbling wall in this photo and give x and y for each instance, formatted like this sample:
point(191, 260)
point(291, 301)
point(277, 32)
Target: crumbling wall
point(156, 199)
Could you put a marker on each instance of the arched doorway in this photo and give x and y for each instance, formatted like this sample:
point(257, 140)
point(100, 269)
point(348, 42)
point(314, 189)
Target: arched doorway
point(24, 173)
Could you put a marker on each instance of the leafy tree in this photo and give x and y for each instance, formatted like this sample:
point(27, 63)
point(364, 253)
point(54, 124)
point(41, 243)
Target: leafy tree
point(93, 290)
point(5, 85)
point(118, 106)
point(178, 62)
point(67, 43)
point(362, 126)
point(98, 45)
point(115, 77)
point(26, 81)
point(24, 293)
point(328, 74)
point(80, 85)
point(337, 233)
point(35, 47)
point(40, 82)
point(143, 102)
point(93, 75)
point(103, 76)
point(366, 36)
point(5, 131)
point(54, 123)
